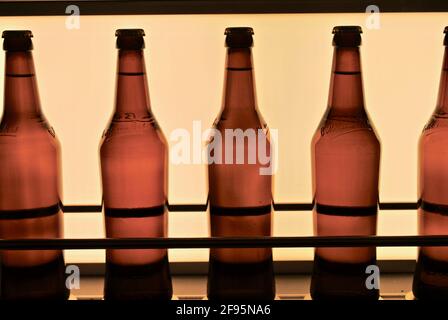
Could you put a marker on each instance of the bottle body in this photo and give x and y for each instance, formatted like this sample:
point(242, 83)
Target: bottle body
point(30, 175)
point(345, 162)
point(431, 277)
point(134, 173)
point(346, 158)
point(240, 196)
point(134, 160)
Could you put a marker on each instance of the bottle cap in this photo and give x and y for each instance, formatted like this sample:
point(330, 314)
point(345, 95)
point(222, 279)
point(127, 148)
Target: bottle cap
point(17, 40)
point(445, 40)
point(347, 36)
point(130, 39)
point(240, 37)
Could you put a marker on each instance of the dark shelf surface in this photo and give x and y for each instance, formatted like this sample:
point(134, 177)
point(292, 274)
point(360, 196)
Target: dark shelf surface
point(394, 286)
point(224, 242)
point(122, 7)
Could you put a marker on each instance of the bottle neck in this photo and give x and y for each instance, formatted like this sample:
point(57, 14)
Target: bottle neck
point(21, 97)
point(346, 96)
point(442, 100)
point(132, 96)
point(239, 90)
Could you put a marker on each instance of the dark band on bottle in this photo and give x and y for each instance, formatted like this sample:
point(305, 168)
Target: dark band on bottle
point(346, 211)
point(24, 75)
point(131, 73)
point(433, 207)
point(134, 212)
point(348, 73)
point(30, 213)
point(240, 211)
point(238, 69)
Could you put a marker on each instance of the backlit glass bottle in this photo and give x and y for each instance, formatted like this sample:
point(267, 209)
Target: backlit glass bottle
point(431, 274)
point(240, 184)
point(345, 163)
point(134, 163)
point(30, 181)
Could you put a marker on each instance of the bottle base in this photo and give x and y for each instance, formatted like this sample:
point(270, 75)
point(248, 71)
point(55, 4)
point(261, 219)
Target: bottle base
point(235, 281)
point(145, 282)
point(341, 281)
point(43, 282)
point(430, 279)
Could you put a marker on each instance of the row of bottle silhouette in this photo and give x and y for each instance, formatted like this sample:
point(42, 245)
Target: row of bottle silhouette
point(134, 157)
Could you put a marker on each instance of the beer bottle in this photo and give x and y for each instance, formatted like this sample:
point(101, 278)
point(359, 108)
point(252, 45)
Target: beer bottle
point(30, 180)
point(240, 191)
point(134, 163)
point(431, 274)
point(345, 164)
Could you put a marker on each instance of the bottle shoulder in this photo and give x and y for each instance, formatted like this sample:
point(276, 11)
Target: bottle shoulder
point(345, 124)
point(339, 131)
point(438, 120)
point(435, 131)
point(27, 128)
point(243, 119)
point(133, 135)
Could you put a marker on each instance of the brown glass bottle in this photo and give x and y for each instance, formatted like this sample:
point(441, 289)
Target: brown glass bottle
point(345, 160)
point(134, 160)
point(30, 178)
point(240, 196)
point(431, 275)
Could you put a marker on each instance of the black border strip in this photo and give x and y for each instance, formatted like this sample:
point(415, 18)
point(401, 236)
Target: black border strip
point(277, 207)
point(82, 208)
point(293, 206)
point(223, 242)
point(130, 7)
point(398, 206)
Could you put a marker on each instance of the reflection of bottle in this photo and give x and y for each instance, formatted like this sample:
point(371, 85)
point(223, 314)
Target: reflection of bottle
point(240, 196)
point(134, 161)
point(346, 157)
point(30, 180)
point(138, 282)
point(44, 282)
point(254, 281)
point(431, 275)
